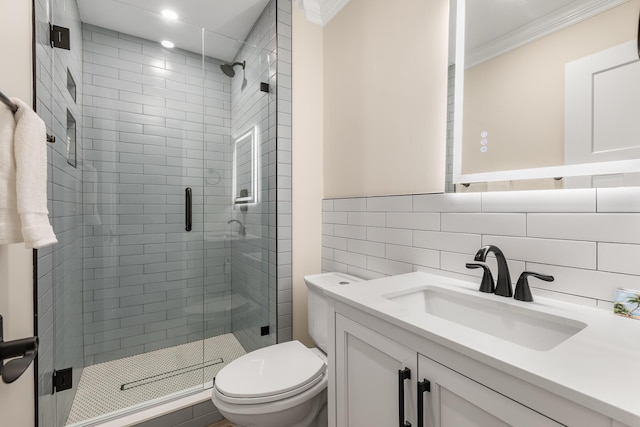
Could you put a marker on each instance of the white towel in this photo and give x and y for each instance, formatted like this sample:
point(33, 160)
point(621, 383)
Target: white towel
point(23, 178)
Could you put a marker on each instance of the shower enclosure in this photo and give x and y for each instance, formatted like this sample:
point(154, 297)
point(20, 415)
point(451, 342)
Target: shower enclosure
point(169, 188)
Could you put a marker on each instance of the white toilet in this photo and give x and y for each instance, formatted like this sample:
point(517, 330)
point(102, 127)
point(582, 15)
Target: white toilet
point(284, 385)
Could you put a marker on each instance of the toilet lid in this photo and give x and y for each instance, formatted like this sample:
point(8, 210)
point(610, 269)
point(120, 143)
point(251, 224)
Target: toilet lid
point(269, 371)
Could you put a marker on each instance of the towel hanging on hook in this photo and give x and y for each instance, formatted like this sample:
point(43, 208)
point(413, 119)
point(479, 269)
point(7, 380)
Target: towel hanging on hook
point(8, 102)
point(24, 214)
point(14, 109)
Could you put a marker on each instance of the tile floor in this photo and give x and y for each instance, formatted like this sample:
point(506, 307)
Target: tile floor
point(115, 385)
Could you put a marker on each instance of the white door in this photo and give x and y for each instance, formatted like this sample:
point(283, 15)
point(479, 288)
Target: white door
point(368, 388)
point(602, 100)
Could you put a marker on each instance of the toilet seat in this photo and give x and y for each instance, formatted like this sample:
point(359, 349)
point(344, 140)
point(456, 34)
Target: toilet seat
point(270, 374)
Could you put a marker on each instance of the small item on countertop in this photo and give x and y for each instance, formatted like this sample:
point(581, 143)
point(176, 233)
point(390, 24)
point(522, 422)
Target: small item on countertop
point(627, 303)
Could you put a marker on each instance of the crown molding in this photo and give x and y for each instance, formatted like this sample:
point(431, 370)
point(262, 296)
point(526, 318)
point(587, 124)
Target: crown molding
point(320, 12)
point(563, 18)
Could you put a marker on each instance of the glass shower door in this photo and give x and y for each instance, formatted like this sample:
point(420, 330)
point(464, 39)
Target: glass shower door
point(143, 211)
point(163, 185)
point(128, 273)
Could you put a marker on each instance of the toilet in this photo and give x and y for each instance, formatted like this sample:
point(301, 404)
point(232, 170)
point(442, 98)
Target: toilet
point(283, 385)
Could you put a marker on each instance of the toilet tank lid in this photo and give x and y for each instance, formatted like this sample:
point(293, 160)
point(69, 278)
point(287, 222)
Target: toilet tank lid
point(329, 280)
point(270, 371)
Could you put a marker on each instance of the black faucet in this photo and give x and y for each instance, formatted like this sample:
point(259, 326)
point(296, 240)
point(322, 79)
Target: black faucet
point(523, 292)
point(487, 285)
point(503, 287)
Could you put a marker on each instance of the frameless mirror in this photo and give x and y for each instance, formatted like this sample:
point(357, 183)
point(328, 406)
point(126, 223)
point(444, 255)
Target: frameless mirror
point(546, 89)
point(245, 168)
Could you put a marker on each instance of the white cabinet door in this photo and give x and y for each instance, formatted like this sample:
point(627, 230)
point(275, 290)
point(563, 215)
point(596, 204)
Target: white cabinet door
point(368, 388)
point(457, 401)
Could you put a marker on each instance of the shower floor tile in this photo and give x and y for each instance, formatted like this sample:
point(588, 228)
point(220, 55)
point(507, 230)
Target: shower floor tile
point(118, 384)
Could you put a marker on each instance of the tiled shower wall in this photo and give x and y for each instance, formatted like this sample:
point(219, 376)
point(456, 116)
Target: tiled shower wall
point(587, 239)
point(253, 109)
point(59, 286)
point(155, 123)
point(280, 272)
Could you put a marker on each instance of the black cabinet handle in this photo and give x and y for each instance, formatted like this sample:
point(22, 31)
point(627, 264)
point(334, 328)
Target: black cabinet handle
point(188, 208)
point(423, 386)
point(403, 374)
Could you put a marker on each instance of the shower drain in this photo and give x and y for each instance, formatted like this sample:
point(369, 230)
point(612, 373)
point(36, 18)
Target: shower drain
point(170, 374)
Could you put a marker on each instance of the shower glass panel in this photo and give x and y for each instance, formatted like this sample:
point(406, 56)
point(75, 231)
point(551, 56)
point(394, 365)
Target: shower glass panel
point(143, 269)
point(138, 305)
point(246, 237)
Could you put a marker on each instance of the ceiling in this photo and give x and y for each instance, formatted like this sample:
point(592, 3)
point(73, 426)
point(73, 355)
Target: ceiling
point(493, 27)
point(488, 20)
point(226, 22)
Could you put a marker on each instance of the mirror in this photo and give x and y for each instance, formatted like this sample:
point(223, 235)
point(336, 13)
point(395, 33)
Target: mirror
point(546, 90)
point(245, 168)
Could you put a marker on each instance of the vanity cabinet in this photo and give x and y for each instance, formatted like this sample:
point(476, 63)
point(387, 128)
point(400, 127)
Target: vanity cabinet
point(455, 400)
point(368, 390)
point(379, 368)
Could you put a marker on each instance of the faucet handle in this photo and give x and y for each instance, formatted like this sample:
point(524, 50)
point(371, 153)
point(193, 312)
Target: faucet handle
point(523, 292)
point(487, 285)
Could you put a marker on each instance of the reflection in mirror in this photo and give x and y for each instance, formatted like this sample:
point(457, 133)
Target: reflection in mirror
point(546, 89)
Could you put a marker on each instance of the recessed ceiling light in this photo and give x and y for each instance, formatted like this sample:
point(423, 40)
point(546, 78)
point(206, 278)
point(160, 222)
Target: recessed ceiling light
point(167, 44)
point(170, 14)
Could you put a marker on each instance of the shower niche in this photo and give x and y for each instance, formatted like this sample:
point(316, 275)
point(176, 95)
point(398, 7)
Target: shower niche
point(72, 142)
point(140, 310)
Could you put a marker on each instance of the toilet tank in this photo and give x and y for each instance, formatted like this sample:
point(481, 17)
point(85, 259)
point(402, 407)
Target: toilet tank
point(317, 303)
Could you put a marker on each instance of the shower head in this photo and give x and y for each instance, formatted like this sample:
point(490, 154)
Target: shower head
point(228, 68)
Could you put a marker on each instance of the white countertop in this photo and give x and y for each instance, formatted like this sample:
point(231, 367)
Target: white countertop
point(597, 367)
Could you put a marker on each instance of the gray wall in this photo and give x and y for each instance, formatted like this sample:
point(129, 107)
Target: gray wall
point(59, 287)
point(155, 121)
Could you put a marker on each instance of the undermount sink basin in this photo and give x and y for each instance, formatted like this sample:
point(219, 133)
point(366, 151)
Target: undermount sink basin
point(526, 327)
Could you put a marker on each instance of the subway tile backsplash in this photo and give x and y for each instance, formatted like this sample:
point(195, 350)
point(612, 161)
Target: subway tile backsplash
point(588, 239)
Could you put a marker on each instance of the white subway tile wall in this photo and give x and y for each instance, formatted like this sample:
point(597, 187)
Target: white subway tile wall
point(589, 251)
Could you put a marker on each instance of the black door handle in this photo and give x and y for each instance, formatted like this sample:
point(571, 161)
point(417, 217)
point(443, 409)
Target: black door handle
point(21, 352)
point(403, 374)
point(188, 208)
point(423, 386)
